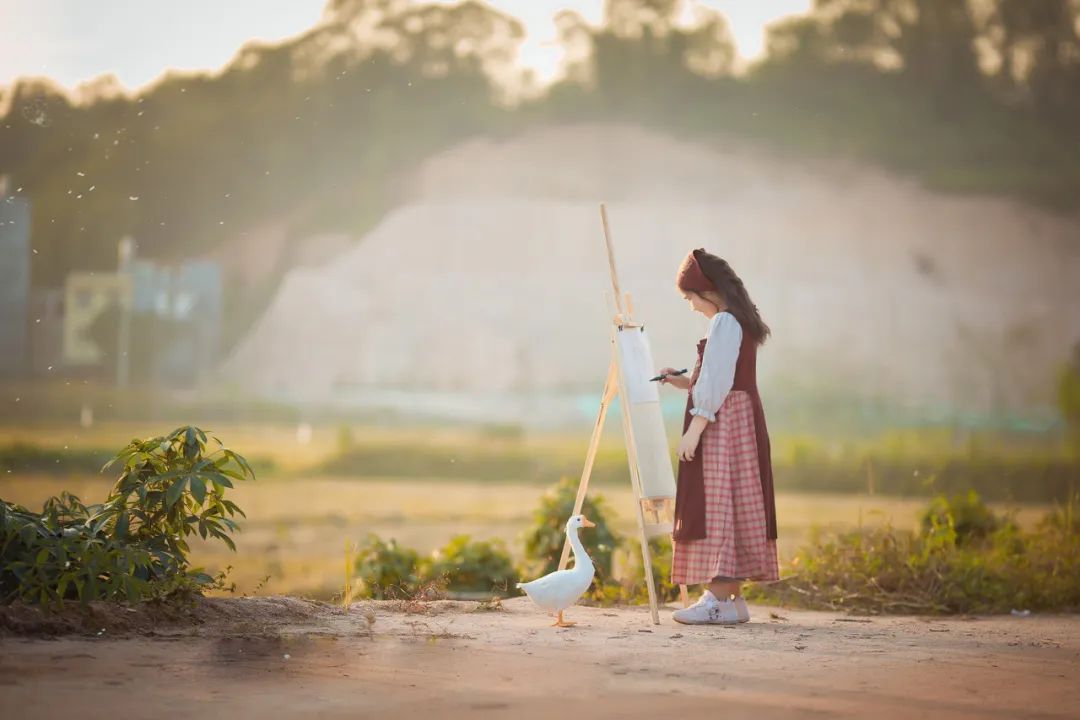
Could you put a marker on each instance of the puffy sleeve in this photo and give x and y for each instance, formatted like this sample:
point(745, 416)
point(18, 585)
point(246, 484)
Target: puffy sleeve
point(717, 366)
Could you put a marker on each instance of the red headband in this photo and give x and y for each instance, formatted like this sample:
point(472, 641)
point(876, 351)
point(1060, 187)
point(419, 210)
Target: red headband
point(691, 278)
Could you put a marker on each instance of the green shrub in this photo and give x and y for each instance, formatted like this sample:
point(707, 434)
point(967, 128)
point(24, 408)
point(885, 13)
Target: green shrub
point(544, 542)
point(992, 567)
point(965, 515)
point(134, 545)
point(630, 588)
point(465, 565)
point(636, 590)
point(388, 570)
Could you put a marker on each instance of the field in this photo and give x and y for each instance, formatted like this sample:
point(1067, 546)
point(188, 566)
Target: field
point(300, 519)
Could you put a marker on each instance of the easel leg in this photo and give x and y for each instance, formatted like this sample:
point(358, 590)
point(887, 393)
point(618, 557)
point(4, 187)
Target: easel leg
point(635, 481)
point(611, 386)
point(646, 558)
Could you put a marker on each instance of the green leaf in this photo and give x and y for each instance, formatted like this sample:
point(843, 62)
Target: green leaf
point(130, 588)
point(99, 522)
point(122, 524)
point(62, 585)
point(175, 491)
point(223, 480)
point(233, 474)
point(201, 578)
point(198, 488)
point(191, 444)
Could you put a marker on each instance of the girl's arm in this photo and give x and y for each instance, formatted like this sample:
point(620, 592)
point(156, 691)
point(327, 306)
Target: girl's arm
point(717, 366)
point(715, 381)
point(680, 381)
point(688, 444)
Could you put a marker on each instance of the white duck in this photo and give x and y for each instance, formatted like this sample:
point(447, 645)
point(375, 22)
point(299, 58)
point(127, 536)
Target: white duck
point(559, 590)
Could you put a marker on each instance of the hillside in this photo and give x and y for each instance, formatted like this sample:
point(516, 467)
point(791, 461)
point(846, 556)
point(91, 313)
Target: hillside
point(490, 281)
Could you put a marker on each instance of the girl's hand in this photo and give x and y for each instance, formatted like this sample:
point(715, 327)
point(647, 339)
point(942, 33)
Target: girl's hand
point(681, 381)
point(688, 444)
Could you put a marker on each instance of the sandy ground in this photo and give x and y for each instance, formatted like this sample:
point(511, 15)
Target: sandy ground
point(283, 657)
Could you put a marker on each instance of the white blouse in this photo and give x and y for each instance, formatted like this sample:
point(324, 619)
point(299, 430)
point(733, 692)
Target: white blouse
point(717, 366)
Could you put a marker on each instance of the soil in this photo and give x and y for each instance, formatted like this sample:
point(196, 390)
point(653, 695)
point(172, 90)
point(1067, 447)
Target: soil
point(286, 657)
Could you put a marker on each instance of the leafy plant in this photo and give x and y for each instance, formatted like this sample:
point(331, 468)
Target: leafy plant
point(967, 516)
point(634, 584)
point(474, 566)
point(170, 488)
point(544, 542)
point(991, 566)
point(386, 569)
point(134, 545)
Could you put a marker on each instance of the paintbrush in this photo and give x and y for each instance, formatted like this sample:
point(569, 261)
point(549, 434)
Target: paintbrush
point(667, 375)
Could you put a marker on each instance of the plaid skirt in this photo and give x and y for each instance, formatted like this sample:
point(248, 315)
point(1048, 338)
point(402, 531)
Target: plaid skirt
point(736, 544)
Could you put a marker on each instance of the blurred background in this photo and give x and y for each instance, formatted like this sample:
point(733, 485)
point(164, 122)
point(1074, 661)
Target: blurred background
point(359, 240)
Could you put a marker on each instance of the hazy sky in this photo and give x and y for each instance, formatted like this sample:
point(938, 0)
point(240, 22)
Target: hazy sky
point(75, 40)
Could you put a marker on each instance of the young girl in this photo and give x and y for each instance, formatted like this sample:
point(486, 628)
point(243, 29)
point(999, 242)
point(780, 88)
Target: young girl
point(725, 513)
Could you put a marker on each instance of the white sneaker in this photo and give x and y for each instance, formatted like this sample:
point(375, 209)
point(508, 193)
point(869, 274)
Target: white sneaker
point(708, 611)
point(741, 610)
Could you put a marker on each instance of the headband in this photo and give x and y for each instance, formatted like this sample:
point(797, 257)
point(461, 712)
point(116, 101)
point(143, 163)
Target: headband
point(691, 278)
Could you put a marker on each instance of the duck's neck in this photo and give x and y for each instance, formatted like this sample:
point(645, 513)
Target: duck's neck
point(581, 558)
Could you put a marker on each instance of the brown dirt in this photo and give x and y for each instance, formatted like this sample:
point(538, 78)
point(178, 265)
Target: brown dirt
point(201, 615)
point(284, 657)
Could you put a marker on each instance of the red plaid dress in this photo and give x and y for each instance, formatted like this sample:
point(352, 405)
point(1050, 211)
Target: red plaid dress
point(736, 543)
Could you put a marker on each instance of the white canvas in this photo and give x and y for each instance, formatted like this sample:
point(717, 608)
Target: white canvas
point(635, 359)
point(646, 419)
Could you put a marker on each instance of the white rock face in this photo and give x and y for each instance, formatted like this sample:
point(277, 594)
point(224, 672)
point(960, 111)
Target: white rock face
point(490, 283)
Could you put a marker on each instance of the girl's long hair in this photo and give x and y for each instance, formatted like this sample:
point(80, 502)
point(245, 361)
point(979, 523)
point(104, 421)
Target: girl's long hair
point(734, 294)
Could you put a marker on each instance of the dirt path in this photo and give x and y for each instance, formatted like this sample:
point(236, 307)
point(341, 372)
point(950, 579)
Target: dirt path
point(281, 657)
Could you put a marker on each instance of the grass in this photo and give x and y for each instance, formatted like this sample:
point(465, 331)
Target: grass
point(963, 558)
point(300, 515)
point(297, 526)
point(906, 464)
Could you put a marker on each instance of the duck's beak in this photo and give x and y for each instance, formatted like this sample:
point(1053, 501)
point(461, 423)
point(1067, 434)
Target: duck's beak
point(586, 522)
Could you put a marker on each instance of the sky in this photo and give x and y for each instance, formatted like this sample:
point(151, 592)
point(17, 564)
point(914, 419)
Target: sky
point(72, 41)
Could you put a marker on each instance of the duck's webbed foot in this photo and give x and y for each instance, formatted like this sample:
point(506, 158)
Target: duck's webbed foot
point(562, 623)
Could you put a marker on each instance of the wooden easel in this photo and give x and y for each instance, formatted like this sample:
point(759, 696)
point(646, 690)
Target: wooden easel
point(654, 497)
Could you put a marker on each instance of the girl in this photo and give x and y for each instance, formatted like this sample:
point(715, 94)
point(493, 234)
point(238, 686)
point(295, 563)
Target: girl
point(725, 512)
